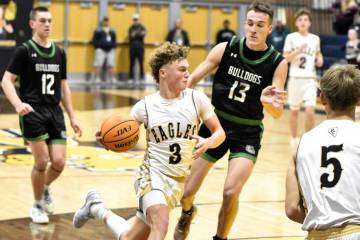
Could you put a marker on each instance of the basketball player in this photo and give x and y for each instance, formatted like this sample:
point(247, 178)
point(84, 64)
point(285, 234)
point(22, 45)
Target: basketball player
point(250, 77)
point(302, 50)
point(40, 66)
point(171, 117)
point(322, 184)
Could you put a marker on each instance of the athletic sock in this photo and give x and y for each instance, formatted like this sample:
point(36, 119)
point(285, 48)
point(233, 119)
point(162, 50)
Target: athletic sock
point(98, 211)
point(116, 224)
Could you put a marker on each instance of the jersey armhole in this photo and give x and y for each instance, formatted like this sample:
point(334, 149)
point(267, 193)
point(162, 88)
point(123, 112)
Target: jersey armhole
point(197, 113)
point(147, 114)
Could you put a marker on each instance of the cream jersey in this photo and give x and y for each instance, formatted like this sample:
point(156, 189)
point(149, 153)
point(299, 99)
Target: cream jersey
point(303, 65)
point(328, 169)
point(169, 124)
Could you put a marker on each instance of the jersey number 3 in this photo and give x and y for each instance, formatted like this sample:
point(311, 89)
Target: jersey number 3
point(47, 81)
point(175, 150)
point(238, 91)
point(325, 162)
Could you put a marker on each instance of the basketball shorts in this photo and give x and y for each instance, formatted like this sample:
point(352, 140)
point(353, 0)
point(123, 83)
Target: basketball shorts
point(153, 187)
point(301, 90)
point(242, 141)
point(101, 56)
point(45, 123)
point(348, 232)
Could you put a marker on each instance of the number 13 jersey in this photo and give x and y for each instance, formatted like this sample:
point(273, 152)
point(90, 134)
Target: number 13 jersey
point(169, 124)
point(328, 167)
point(303, 65)
point(240, 79)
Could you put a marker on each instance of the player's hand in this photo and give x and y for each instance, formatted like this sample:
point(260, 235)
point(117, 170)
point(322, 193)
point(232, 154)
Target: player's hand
point(99, 138)
point(202, 145)
point(271, 95)
point(23, 108)
point(76, 127)
point(303, 47)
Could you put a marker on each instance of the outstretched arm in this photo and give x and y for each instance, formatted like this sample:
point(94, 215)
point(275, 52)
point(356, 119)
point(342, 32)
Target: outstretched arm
point(273, 97)
point(293, 204)
point(210, 63)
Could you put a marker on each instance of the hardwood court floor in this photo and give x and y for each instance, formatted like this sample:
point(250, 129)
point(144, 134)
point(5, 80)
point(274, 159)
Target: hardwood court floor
point(261, 212)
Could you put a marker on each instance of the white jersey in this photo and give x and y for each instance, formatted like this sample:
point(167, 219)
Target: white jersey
point(303, 65)
point(168, 125)
point(328, 169)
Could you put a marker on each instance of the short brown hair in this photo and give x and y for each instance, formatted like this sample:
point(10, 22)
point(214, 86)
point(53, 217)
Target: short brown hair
point(166, 53)
point(341, 86)
point(34, 11)
point(263, 7)
point(302, 11)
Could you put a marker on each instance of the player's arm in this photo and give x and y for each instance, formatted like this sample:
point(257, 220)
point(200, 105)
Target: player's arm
point(67, 103)
point(293, 204)
point(8, 87)
point(319, 60)
point(273, 97)
point(210, 63)
point(289, 53)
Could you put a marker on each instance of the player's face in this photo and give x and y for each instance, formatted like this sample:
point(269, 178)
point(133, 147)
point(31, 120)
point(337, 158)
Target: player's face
point(177, 74)
point(303, 23)
point(42, 24)
point(257, 28)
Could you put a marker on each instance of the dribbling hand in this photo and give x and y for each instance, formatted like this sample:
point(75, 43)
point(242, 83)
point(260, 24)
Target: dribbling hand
point(99, 138)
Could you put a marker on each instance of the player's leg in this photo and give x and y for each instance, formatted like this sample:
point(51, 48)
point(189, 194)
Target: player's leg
point(98, 63)
point(295, 97)
point(238, 173)
point(57, 159)
point(158, 219)
point(310, 103)
point(40, 153)
point(110, 63)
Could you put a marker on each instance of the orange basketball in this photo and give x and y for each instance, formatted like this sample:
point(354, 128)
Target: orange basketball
point(119, 134)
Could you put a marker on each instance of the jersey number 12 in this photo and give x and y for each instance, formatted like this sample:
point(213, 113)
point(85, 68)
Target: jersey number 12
point(47, 81)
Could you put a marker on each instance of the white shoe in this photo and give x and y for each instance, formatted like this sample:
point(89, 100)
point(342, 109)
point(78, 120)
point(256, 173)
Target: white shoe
point(48, 202)
point(38, 214)
point(83, 214)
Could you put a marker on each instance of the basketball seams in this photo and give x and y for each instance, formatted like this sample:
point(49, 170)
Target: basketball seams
point(137, 131)
point(115, 126)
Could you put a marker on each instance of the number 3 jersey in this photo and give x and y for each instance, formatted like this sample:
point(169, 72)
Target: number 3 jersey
point(328, 169)
point(240, 79)
point(303, 65)
point(169, 124)
point(40, 71)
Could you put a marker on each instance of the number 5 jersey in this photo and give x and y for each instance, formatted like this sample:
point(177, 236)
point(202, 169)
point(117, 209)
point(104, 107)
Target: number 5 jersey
point(328, 167)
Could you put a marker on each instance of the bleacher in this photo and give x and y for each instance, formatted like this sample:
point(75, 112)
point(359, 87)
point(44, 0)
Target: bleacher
point(333, 49)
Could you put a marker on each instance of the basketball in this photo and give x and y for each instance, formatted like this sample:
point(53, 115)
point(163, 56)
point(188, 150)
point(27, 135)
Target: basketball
point(119, 134)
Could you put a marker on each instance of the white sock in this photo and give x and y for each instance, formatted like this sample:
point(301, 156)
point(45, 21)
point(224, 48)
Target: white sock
point(98, 210)
point(117, 225)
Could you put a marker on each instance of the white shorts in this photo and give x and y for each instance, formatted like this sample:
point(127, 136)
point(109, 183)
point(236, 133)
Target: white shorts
point(101, 56)
point(301, 90)
point(153, 187)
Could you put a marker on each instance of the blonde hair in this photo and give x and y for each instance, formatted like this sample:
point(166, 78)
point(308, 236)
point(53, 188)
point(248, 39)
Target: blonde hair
point(301, 12)
point(166, 53)
point(341, 86)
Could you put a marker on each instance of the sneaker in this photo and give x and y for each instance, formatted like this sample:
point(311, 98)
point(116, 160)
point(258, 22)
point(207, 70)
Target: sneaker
point(183, 226)
point(48, 202)
point(38, 214)
point(83, 214)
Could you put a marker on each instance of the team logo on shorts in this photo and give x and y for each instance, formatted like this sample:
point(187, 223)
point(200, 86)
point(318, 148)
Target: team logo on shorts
point(63, 134)
point(250, 149)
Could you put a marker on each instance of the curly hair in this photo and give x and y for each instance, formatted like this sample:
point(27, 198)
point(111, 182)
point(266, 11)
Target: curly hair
point(166, 53)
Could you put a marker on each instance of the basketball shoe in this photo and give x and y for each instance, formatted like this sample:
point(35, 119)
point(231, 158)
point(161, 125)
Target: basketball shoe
point(83, 214)
point(48, 203)
point(38, 214)
point(183, 226)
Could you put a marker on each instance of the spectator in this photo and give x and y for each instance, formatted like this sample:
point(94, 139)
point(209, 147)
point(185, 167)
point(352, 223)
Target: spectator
point(178, 35)
point(344, 10)
point(5, 28)
point(225, 34)
point(352, 48)
point(104, 41)
point(137, 33)
point(278, 35)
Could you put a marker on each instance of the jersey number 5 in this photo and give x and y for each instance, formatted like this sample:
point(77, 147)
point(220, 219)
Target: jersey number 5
point(47, 81)
point(175, 150)
point(238, 91)
point(325, 162)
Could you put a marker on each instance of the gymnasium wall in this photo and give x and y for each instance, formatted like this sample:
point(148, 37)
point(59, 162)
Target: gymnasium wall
point(75, 21)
